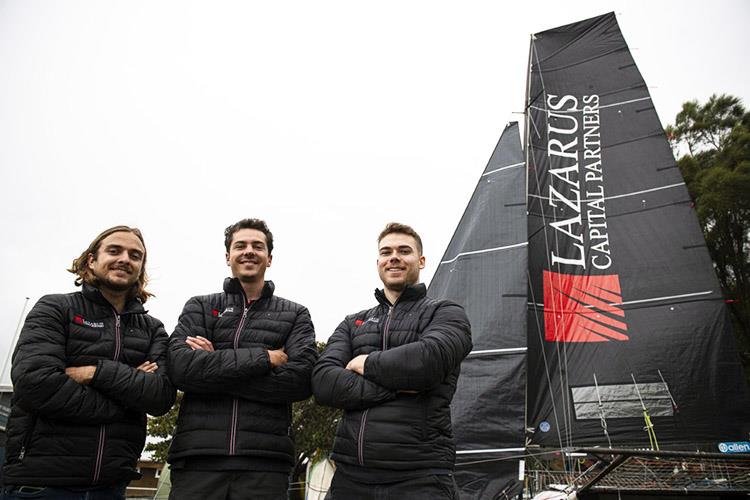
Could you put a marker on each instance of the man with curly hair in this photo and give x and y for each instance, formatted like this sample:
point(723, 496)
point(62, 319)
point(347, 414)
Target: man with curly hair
point(87, 368)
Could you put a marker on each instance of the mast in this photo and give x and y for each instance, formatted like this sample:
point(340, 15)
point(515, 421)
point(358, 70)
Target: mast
point(14, 340)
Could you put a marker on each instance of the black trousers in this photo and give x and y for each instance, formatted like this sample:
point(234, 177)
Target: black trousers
point(433, 487)
point(228, 485)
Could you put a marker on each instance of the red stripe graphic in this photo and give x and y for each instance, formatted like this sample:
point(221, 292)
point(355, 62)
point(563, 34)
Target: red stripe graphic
point(580, 308)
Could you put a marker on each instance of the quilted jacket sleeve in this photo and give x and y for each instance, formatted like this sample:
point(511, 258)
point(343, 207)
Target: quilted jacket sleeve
point(40, 384)
point(422, 365)
point(151, 393)
point(334, 385)
point(291, 381)
point(204, 371)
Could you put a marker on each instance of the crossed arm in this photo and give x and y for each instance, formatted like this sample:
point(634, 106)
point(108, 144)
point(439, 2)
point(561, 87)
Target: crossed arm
point(44, 384)
point(371, 379)
point(265, 375)
point(336, 384)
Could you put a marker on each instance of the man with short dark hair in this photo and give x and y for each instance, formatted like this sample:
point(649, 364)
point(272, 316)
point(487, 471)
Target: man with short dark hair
point(393, 369)
point(88, 367)
point(242, 357)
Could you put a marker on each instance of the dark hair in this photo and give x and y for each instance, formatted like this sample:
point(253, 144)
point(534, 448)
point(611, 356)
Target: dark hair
point(80, 266)
point(395, 227)
point(258, 224)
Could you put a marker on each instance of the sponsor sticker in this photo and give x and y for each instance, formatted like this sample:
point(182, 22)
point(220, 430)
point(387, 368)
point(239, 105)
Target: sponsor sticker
point(583, 308)
point(80, 320)
point(735, 447)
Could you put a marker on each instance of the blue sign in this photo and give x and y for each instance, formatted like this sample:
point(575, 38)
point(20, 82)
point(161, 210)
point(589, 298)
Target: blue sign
point(737, 447)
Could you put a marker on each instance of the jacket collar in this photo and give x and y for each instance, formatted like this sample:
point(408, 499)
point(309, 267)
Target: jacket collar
point(233, 286)
point(411, 293)
point(132, 306)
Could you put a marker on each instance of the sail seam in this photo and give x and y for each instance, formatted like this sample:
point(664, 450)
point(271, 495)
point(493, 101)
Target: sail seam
point(504, 168)
point(576, 110)
point(493, 450)
point(612, 197)
point(525, 243)
point(497, 351)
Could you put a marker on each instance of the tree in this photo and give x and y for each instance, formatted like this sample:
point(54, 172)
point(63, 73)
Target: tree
point(716, 169)
point(163, 428)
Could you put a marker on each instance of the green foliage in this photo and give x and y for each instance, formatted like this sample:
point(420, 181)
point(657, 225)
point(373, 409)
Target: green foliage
point(717, 172)
point(314, 427)
point(163, 428)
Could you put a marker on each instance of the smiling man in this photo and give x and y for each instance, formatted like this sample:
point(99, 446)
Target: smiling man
point(88, 367)
point(393, 369)
point(242, 357)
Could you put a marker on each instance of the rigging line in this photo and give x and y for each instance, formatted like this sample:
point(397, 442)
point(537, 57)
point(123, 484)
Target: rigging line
point(602, 418)
point(675, 409)
point(624, 195)
point(546, 364)
point(549, 265)
point(504, 168)
point(510, 350)
point(495, 450)
point(563, 367)
point(576, 110)
point(646, 418)
point(473, 252)
point(512, 457)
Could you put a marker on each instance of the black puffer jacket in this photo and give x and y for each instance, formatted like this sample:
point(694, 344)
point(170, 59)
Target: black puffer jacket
point(62, 433)
point(398, 415)
point(235, 404)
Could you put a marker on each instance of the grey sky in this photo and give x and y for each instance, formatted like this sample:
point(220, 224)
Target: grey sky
point(327, 119)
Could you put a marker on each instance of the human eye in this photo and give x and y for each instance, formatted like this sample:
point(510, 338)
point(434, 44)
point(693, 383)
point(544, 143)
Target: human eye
point(136, 256)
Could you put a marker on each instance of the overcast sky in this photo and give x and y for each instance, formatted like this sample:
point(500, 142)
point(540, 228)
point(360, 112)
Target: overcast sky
point(326, 119)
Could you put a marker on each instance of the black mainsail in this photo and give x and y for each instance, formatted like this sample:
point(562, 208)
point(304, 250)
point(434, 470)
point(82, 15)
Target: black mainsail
point(484, 269)
point(604, 274)
point(627, 325)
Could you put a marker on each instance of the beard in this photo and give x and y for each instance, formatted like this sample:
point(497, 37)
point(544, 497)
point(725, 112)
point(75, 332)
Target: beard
point(115, 286)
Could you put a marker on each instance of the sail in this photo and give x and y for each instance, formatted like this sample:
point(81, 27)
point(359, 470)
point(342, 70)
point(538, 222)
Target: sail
point(627, 326)
point(484, 270)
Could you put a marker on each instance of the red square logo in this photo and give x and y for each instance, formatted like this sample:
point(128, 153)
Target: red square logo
point(583, 308)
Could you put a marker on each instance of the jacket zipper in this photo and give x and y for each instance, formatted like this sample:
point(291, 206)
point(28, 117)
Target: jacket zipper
point(361, 437)
point(27, 438)
point(235, 401)
point(103, 427)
